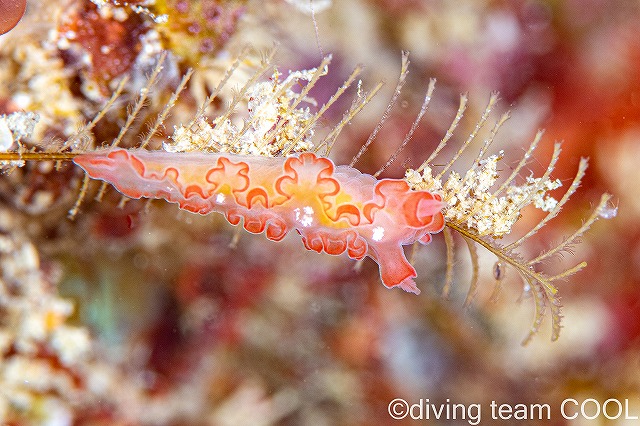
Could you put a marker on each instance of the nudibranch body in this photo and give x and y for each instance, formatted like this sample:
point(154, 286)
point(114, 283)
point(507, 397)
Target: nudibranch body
point(334, 209)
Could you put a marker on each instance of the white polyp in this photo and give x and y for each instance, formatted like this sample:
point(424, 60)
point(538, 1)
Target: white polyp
point(6, 137)
point(608, 212)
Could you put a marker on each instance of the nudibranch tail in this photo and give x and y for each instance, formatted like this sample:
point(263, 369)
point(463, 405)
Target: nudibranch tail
point(335, 209)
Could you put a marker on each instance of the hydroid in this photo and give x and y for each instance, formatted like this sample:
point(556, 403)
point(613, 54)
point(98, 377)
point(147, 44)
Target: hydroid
point(480, 205)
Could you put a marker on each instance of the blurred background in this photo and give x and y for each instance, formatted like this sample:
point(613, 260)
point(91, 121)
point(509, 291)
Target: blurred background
point(139, 313)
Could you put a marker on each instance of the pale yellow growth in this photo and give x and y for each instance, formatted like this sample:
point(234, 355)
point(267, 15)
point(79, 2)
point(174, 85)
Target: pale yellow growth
point(42, 84)
point(268, 106)
point(470, 199)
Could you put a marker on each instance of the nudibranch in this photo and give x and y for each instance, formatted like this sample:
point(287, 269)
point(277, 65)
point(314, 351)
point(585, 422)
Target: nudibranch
point(335, 209)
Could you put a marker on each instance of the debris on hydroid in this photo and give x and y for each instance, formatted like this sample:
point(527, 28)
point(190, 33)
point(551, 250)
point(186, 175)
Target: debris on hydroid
point(271, 105)
point(470, 199)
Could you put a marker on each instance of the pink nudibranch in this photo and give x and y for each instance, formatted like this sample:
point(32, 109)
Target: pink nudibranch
point(334, 209)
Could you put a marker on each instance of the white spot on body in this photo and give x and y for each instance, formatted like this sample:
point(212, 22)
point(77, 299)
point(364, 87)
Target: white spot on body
point(220, 198)
point(378, 233)
point(305, 216)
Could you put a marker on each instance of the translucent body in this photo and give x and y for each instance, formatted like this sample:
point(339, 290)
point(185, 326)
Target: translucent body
point(334, 209)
